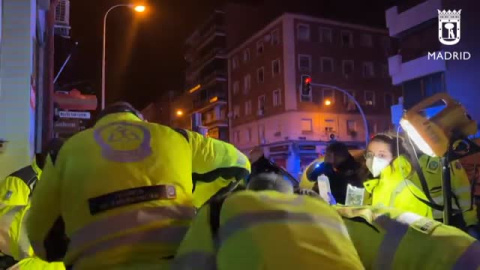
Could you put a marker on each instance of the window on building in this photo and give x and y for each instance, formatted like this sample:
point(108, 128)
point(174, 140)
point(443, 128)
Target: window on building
point(260, 47)
point(247, 83)
point(304, 63)
point(366, 40)
point(306, 125)
point(327, 64)
point(372, 127)
point(261, 75)
point(235, 62)
point(246, 55)
point(368, 70)
point(385, 73)
point(328, 94)
point(347, 39)
point(369, 97)
point(303, 32)
point(346, 99)
point(248, 107)
point(261, 105)
point(275, 37)
point(329, 126)
point(277, 98)
point(305, 98)
point(237, 136)
point(351, 126)
point(261, 132)
point(249, 134)
point(348, 67)
point(326, 35)
point(236, 87)
point(276, 67)
point(389, 100)
point(236, 111)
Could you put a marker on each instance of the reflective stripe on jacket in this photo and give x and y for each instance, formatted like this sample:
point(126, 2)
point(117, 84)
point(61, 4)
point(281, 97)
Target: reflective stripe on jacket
point(17, 187)
point(268, 230)
point(134, 176)
point(432, 170)
point(393, 190)
point(387, 238)
point(13, 239)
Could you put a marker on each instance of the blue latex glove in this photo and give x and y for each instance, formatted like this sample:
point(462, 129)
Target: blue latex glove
point(331, 200)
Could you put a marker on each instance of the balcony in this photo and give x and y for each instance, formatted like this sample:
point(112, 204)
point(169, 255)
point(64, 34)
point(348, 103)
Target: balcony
point(203, 103)
point(200, 62)
point(218, 75)
point(405, 71)
point(398, 22)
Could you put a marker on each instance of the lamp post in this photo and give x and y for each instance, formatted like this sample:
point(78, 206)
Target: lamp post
point(134, 7)
point(328, 103)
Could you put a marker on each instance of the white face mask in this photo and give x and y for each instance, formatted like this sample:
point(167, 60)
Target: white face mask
point(376, 165)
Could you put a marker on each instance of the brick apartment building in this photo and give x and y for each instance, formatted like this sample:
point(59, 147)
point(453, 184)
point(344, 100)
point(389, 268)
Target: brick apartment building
point(206, 73)
point(265, 102)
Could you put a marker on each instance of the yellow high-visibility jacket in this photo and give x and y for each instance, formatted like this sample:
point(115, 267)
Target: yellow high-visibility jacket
point(14, 240)
point(124, 191)
point(432, 170)
point(268, 230)
point(393, 189)
point(16, 188)
point(387, 238)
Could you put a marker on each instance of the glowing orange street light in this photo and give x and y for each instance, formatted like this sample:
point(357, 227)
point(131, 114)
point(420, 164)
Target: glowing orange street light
point(139, 8)
point(179, 112)
point(328, 102)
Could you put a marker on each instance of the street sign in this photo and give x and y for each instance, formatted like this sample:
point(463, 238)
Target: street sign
point(68, 126)
point(77, 115)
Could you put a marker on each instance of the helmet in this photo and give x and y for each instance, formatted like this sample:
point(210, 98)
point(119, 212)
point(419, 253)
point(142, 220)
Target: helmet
point(269, 181)
point(119, 107)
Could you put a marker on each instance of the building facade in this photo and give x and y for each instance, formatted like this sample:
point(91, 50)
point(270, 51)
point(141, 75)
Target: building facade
point(206, 73)
point(267, 107)
point(26, 67)
point(415, 23)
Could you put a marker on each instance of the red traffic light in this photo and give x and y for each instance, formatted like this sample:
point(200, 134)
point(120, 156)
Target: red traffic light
point(308, 80)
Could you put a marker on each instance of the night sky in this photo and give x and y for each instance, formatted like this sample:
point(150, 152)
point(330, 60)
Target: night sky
point(145, 51)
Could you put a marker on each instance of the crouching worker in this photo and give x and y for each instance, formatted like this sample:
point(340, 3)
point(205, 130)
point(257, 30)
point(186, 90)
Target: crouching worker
point(387, 238)
point(17, 252)
point(267, 229)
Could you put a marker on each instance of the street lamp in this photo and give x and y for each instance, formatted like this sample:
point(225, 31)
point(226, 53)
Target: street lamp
point(179, 113)
point(328, 102)
point(136, 8)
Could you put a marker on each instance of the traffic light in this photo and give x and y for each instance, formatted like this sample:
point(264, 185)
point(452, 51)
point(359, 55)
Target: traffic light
point(306, 87)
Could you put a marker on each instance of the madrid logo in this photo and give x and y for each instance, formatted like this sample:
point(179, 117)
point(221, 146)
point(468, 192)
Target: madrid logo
point(449, 26)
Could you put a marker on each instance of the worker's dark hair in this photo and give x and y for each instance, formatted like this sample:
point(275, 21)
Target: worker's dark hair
point(391, 140)
point(338, 148)
point(52, 149)
point(270, 181)
point(119, 107)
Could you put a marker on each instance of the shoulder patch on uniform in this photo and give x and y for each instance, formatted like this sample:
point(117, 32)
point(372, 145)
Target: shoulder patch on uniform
point(433, 165)
point(8, 195)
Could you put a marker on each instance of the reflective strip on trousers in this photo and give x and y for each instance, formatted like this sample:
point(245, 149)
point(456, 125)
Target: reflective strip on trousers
point(247, 220)
point(129, 220)
point(6, 221)
point(470, 259)
point(195, 260)
point(167, 235)
point(396, 230)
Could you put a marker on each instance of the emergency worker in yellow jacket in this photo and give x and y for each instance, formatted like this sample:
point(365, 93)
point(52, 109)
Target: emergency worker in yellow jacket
point(461, 188)
point(14, 242)
point(392, 187)
point(17, 188)
point(267, 230)
point(388, 238)
point(124, 190)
